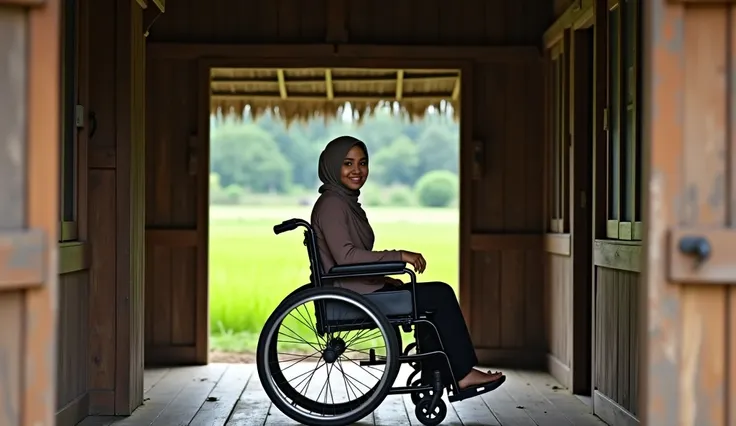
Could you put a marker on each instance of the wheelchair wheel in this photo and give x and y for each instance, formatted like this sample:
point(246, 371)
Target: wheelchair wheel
point(327, 371)
point(428, 416)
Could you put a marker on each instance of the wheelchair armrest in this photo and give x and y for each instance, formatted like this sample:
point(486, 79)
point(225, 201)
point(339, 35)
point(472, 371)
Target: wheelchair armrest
point(379, 268)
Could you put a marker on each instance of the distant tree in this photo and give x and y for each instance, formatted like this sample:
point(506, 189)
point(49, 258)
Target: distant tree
point(438, 149)
point(397, 162)
point(248, 156)
point(295, 145)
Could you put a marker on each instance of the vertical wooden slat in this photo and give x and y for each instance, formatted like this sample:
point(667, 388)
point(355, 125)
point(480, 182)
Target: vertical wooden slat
point(686, 120)
point(39, 350)
point(29, 129)
point(202, 217)
point(731, 219)
point(704, 123)
point(663, 58)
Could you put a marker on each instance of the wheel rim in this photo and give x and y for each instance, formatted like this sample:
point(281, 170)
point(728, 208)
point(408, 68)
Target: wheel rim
point(330, 354)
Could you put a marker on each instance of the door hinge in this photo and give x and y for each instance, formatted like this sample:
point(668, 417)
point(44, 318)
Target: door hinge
point(79, 116)
point(605, 119)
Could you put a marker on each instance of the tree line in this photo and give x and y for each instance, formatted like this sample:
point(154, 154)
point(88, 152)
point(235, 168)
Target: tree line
point(265, 156)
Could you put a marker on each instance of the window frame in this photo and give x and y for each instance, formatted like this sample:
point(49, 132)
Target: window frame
point(558, 138)
point(622, 122)
point(69, 142)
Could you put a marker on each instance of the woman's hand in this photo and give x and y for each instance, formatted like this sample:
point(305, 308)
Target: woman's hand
point(415, 259)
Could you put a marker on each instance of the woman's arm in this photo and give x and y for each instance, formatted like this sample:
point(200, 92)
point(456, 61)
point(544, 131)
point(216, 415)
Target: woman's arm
point(333, 221)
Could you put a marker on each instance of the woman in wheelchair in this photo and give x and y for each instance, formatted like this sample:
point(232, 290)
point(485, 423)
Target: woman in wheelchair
point(352, 279)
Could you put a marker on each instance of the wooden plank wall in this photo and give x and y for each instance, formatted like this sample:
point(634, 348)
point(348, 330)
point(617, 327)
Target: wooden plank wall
point(29, 187)
point(503, 221)
point(689, 355)
point(609, 267)
point(116, 161)
point(171, 211)
point(505, 282)
point(72, 399)
point(616, 351)
point(426, 22)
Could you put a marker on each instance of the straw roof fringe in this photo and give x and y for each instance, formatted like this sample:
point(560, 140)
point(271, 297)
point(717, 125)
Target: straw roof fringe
point(304, 94)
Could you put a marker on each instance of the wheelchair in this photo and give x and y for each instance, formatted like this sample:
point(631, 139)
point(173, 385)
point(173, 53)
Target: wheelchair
point(336, 313)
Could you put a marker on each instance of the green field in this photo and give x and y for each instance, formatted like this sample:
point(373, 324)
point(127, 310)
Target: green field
point(252, 269)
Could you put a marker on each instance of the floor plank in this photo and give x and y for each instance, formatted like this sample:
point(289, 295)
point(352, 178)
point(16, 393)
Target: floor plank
point(232, 395)
point(221, 401)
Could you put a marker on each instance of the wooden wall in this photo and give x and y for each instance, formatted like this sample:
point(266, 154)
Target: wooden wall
point(427, 22)
point(593, 206)
point(616, 351)
point(502, 219)
point(116, 178)
point(72, 399)
point(504, 205)
point(29, 221)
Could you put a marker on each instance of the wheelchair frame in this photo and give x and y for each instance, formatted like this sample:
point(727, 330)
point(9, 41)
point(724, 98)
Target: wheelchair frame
point(420, 391)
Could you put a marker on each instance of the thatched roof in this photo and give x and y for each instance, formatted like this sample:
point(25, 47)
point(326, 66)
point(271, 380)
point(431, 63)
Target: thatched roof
point(303, 93)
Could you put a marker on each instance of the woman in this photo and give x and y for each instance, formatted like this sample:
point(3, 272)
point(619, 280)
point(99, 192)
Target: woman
point(344, 236)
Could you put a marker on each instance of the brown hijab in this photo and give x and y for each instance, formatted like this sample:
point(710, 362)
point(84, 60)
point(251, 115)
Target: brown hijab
point(330, 166)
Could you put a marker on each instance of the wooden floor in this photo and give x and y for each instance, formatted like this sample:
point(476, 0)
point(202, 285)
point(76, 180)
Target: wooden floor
point(231, 394)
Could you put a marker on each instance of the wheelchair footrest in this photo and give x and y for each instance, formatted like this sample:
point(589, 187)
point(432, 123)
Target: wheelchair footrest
point(459, 395)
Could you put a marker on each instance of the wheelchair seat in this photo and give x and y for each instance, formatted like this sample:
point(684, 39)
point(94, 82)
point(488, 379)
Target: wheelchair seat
point(393, 304)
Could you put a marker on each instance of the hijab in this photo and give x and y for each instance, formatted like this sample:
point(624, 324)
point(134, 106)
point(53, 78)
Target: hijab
point(330, 169)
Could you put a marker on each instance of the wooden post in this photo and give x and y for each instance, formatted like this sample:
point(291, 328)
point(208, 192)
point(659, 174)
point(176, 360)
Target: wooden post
point(29, 137)
point(688, 292)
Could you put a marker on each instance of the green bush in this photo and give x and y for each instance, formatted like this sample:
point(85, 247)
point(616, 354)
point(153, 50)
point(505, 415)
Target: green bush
point(371, 195)
point(401, 196)
point(437, 188)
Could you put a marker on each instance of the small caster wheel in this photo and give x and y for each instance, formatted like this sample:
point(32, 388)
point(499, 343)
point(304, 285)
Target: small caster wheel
point(417, 396)
point(429, 417)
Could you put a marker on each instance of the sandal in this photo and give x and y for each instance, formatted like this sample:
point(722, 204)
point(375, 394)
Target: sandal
point(476, 390)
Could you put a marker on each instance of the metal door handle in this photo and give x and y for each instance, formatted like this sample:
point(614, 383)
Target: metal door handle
point(696, 246)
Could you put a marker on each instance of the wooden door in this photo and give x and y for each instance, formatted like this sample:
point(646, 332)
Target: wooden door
point(501, 215)
point(177, 202)
point(689, 296)
point(29, 136)
point(581, 216)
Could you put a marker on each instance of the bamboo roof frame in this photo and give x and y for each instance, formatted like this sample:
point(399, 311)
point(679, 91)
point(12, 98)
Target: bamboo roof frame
point(301, 94)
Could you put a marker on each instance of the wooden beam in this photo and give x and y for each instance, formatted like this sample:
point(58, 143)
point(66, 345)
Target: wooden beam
point(22, 259)
point(456, 89)
point(399, 84)
point(345, 80)
point(282, 83)
point(171, 237)
point(329, 85)
point(222, 97)
point(23, 3)
point(258, 52)
point(161, 4)
point(624, 255)
point(577, 10)
point(142, 3)
point(492, 242)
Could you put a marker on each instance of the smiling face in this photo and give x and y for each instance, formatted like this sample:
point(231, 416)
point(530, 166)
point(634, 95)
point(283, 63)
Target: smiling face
point(354, 169)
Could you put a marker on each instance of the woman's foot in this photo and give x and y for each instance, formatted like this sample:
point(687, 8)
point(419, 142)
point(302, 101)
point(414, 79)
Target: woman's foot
point(476, 377)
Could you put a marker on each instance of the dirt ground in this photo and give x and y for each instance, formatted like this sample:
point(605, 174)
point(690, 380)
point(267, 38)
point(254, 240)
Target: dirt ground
point(233, 357)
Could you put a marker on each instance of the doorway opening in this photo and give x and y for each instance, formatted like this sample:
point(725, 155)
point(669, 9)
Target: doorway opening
point(267, 129)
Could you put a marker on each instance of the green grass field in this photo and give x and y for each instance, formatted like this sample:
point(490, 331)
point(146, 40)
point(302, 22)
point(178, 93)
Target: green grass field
point(252, 269)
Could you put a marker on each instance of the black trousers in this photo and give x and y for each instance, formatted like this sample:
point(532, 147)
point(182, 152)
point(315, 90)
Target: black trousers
point(439, 299)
